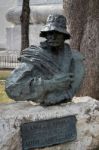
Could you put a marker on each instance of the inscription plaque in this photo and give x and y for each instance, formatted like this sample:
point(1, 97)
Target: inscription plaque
point(48, 132)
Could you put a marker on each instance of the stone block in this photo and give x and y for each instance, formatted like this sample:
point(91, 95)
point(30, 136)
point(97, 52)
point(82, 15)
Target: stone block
point(86, 109)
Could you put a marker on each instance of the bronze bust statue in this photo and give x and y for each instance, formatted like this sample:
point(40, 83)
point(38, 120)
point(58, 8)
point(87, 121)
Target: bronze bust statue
point(51, 73)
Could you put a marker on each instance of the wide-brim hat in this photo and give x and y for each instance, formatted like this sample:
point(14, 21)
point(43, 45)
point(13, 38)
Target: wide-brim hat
point(55, 23)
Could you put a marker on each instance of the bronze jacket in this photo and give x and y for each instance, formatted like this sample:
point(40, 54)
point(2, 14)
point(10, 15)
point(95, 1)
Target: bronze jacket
point(39, 76)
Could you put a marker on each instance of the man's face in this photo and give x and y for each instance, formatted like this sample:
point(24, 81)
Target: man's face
point(55, 38)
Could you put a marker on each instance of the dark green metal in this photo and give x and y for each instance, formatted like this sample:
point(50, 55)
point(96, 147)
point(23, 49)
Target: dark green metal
point(49, 132)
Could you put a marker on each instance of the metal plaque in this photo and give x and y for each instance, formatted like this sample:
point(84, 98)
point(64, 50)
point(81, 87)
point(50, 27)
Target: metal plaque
point(48, 132)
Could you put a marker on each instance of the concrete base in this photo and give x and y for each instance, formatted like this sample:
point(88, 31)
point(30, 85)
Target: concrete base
point(86, 111)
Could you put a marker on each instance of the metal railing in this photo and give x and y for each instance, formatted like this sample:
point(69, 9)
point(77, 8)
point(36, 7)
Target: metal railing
point(9, 62)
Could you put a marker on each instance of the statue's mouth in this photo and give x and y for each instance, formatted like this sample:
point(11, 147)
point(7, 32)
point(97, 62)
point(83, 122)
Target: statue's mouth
point(53, 42)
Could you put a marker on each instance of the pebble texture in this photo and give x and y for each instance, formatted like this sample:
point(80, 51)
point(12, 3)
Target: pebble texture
point(86, 110)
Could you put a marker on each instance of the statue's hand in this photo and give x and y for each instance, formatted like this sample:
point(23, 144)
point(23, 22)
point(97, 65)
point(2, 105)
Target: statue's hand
point(63, 81)
point(40, 86)
point(65, 77)
point(60, 81)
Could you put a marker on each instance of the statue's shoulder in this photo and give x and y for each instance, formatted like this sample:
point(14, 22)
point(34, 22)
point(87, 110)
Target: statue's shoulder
point(76, 55)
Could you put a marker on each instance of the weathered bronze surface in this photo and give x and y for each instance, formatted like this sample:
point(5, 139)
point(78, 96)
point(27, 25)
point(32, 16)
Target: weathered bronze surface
point(49, 132)
point(50, 73)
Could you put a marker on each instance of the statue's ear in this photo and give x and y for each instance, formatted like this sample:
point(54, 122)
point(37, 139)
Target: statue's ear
point(78, 70)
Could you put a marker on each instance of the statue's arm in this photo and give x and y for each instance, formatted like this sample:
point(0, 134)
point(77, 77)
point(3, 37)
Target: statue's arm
point(78, 69)
point(22, 85)
point(59, 81)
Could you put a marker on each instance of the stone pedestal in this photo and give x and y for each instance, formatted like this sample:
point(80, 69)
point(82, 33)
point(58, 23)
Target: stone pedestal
point(40, 9)
point(85, 109)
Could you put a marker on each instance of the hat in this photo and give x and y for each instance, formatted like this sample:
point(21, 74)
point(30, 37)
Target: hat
point(55, 23)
